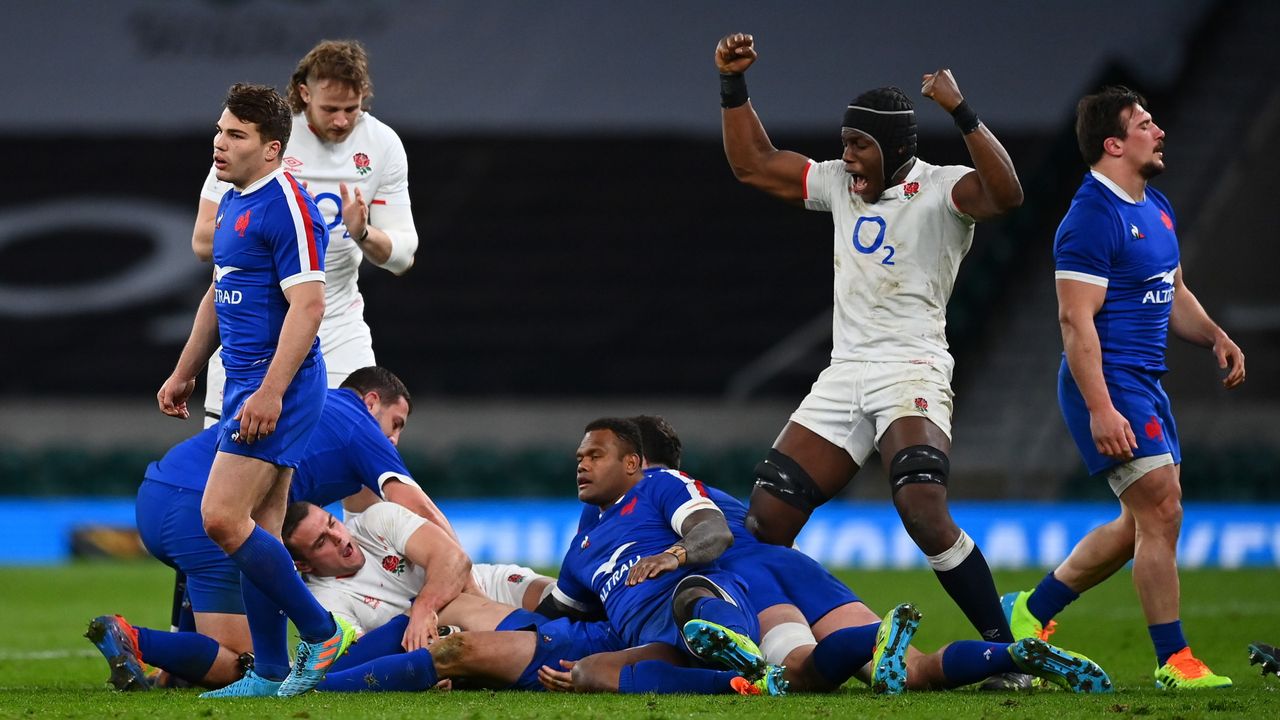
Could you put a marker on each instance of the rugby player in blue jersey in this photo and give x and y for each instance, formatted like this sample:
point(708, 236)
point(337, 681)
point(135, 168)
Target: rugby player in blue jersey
point(649, 564)
point(819, 630)
point(264, 307)
point(1120, 290)
point(351, 453)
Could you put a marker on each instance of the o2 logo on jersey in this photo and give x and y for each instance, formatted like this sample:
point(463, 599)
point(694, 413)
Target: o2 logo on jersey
point(877, 243)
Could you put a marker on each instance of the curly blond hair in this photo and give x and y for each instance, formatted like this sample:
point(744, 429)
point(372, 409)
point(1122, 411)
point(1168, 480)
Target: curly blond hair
point(342, 60)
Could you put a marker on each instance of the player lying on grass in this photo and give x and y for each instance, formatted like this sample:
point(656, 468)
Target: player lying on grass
point(351, 452)
point(629, 570)
point(820, 631)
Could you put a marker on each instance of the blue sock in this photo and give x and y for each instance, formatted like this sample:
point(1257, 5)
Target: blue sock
point(264, 559)
point(965, 662)
point(971, 588)
point(1049, 598)
point(379, 642)
point(722, 613)
point(268, 629)
point(844, 651)
point(186, 655)
point(1167, 638)
point(655, 676)
point(520, 620)
point(405, 671)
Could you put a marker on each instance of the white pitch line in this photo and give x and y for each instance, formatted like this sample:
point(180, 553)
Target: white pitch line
point(6, 654)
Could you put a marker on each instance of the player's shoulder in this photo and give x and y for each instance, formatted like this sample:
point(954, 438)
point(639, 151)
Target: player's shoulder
point(377, 131)
point(380, 517)
point(926, 172)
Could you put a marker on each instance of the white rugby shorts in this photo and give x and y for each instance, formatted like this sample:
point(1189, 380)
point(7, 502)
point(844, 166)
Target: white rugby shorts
point(505, 583)
point(346, 348)
point(851, 404)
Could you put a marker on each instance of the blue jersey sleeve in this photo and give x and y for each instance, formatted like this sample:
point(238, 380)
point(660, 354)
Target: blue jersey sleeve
point(374, 459)
point(677, 496)
point(1086, 244)
point(297, 236)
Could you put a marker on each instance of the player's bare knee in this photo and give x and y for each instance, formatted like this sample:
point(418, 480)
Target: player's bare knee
point(222, 527)
point(448, 653)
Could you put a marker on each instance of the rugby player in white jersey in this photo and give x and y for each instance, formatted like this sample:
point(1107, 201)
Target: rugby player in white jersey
point(901, 229)
point(355, 167)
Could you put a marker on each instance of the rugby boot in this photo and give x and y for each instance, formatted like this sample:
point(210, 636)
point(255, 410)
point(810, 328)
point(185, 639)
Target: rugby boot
point(1069, 670)
point(771, 683)
point(1266, 656)
point(1183, 671)
point(1021, 621)
point(718, 644)
point(313, 659)
point(889, 662)
point(116, 639)
point(251, 685)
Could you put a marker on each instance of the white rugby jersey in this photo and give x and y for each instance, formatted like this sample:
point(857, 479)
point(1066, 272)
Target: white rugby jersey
point(387, 583)
point(372, 158)
point(895, 262)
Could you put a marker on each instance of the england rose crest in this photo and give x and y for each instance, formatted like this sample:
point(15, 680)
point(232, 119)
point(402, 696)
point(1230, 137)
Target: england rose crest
point(393, 564)
point(922, 405)
point(362, 163)
point(910, 189)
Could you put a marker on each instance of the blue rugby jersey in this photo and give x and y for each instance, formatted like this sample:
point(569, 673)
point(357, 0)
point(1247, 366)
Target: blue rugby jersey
point(266, 239)
point(644, 522)
point(347, 452)
point(1131, 249)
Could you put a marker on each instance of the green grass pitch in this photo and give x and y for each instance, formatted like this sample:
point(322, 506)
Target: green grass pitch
point(48, 670)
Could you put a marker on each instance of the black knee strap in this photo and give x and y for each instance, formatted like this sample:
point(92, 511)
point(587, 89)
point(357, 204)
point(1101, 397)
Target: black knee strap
point(919, 464)
point(783, 478)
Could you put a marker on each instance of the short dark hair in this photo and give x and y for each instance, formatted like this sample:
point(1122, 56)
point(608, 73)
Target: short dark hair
point(1098, 118)
point(344, 61)
point(662, 445)
point(380, 380)
point(295, 514)
point(625, 430)
point(262, 106)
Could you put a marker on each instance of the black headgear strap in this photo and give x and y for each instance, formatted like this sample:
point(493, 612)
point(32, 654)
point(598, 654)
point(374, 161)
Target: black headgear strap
point(887, 116)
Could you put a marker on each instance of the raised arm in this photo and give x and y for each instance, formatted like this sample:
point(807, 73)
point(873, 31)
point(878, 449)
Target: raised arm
point(1191, 323)
point(753, 158)
point(993, 188)
point(1078, 303)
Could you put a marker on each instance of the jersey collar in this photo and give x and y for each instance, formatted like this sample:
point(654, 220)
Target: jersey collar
point(263, 181)
point(917, 167)
point(1114, 188)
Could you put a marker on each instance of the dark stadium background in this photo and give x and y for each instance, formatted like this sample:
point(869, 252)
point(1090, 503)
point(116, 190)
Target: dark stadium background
point(584, 248)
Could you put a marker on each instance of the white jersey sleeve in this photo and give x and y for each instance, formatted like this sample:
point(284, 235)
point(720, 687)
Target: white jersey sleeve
point(392, 523)
point(213, 188)
point(822, 183)
point(393, 186)
point(946, 177)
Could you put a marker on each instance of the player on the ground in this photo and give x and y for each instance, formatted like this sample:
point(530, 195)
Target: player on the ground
point(352, 450)
point(901, 229)
point(356, 168)
point(649, 564)
point(799, 600)
point(264, 305)
point(1120, 291)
